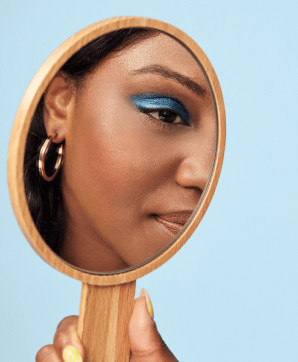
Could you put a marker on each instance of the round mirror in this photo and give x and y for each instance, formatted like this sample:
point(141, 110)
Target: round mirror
point(116, 149)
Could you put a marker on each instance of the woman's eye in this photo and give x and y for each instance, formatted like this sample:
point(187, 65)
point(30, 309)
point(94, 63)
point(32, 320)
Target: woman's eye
point(163, 108)
point(167, 116)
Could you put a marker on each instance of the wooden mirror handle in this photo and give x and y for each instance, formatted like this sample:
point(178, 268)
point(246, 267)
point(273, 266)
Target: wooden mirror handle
point(103, 321)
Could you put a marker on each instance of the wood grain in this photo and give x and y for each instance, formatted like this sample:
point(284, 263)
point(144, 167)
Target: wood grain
point(103, 322)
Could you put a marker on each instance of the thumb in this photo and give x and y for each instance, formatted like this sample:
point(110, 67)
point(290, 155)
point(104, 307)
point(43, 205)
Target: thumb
point(146, 343)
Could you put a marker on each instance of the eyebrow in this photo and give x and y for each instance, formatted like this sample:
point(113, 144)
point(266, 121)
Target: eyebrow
point(168, 73)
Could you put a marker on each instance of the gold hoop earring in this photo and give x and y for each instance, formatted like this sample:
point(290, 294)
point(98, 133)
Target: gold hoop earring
point(41, 160)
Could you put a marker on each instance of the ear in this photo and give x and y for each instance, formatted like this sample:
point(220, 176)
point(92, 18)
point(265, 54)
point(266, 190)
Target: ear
point(59, 100)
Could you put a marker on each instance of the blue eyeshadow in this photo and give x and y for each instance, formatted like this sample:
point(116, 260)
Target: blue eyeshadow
point(152, 101)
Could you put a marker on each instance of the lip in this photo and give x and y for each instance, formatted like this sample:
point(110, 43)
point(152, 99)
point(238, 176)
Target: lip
point(174, 222)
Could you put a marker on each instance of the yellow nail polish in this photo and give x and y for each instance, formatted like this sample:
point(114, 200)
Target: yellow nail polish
point(71, 354)
point(144, 293)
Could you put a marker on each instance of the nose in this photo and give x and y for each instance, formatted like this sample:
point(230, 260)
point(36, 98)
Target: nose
point(193, 173)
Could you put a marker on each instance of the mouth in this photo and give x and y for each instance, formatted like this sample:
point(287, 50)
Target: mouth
point(173, 222)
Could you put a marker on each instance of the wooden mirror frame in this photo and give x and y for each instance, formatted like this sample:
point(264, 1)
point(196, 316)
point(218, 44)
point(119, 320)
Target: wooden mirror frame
point(23, 120)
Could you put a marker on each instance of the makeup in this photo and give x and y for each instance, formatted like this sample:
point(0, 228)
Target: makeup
point(165, 108)
point(174, 222)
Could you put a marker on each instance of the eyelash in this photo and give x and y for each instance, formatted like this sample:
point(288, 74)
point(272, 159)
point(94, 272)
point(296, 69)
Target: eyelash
point(155, 103)
point(160, 124)
point(165, 123)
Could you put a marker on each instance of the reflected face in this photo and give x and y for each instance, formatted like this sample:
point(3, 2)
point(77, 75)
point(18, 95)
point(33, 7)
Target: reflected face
point(139, 148)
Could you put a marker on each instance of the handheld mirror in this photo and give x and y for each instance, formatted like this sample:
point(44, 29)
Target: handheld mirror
point(115, 153)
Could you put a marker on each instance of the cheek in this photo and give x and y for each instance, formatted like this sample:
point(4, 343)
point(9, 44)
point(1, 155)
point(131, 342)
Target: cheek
point(105, 160)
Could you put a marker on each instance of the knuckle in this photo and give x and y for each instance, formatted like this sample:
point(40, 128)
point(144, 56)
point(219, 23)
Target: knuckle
point(61, 338)
point(44, 353)
point(66, 330)
point(70, 321)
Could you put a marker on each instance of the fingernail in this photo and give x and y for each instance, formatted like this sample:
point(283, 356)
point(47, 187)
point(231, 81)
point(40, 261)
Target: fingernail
point(148, 302)
point(71, 354)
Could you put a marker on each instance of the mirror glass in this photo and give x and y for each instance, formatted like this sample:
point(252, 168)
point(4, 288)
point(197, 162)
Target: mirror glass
point(128, 130)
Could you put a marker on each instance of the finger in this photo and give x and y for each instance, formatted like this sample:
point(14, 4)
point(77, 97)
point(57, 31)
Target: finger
point(145, 342)
point(47, 354)
point(67, 343)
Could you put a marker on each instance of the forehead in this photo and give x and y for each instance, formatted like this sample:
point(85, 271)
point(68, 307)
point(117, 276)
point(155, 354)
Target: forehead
point(158, 49)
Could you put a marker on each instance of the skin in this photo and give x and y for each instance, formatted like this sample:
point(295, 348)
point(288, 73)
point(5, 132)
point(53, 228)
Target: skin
point(145, 341)
point(126, 173)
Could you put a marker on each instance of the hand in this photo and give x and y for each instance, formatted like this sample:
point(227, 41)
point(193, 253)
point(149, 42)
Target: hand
point(146, 344)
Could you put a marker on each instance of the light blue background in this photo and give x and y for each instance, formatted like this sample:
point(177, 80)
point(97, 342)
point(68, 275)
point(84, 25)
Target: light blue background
point(231, 293)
